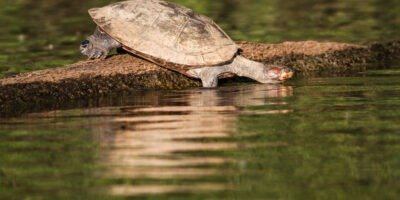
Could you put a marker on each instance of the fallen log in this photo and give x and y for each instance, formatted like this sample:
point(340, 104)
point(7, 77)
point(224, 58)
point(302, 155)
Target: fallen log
point(124, 73)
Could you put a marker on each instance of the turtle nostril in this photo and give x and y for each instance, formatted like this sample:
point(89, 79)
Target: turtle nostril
point(84, 43)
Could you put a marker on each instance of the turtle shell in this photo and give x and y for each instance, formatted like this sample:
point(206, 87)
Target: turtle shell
point(164, 32)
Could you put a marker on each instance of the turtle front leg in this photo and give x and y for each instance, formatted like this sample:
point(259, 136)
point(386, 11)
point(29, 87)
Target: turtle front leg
point(208, 75)
point(98, 45)
point(242, 67)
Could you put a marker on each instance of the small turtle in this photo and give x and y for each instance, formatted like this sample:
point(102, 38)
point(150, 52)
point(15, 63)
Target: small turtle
point(174, 37)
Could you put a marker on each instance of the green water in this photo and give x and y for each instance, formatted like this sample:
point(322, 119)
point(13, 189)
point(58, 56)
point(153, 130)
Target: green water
point(319, 138)
point(323, 138)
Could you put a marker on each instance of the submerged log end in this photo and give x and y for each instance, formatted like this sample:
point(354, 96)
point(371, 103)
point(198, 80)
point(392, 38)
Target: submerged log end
point(86, 79)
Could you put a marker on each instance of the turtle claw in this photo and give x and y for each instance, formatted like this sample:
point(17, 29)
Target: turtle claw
point(103, 56)
point(97, 54)
point(93, 50)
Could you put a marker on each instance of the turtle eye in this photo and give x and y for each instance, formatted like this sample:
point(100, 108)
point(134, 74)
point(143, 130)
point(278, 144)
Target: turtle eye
point(84, 43)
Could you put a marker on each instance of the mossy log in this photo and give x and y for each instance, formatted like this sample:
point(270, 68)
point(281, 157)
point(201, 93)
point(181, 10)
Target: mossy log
point(124, 73)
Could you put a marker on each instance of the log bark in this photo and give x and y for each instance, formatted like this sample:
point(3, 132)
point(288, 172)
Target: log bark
point(125, 73)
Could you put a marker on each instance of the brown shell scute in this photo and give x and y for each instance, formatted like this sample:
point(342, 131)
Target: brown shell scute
point(166, 31)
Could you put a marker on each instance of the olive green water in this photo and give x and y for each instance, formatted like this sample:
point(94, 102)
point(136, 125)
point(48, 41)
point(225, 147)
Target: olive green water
point(319, 138)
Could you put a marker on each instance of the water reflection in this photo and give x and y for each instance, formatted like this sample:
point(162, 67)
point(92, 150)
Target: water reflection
point(329, 138)
point(180, 139)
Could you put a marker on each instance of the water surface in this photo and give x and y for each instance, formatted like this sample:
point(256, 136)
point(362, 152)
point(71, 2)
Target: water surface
point(322, 138)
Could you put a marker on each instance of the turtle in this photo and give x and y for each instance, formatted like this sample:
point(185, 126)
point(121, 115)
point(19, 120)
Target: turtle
point(174, 37)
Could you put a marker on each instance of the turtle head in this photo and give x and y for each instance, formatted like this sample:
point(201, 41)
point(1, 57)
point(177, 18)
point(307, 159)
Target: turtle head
point(276, 73)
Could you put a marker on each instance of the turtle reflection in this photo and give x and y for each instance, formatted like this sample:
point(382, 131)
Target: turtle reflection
point(180, 139)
